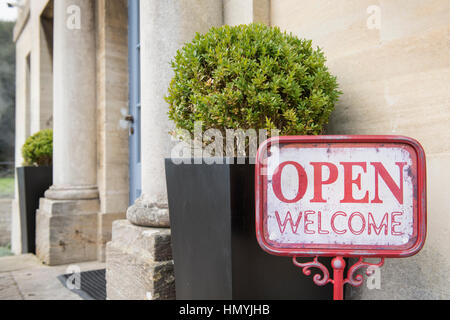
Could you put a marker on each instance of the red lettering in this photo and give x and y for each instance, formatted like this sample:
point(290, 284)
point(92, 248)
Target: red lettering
point(372, 224)
point(308, 222)
point(319, 222)
point(302, 182)
point(397, 190)
point(339, 213)
point(363, 223)
point(318, 178)
point(395, 223)
point(367, 224)
point(349, 182)
point(288, 218)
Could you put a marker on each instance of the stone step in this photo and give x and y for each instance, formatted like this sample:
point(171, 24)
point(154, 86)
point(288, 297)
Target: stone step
point(139, 263)
point(154, 242)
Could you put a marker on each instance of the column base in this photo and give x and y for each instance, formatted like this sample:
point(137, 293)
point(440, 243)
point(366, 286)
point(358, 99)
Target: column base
point(72, 193)
point(139, 263)
point(147, 214)
point(66, 231)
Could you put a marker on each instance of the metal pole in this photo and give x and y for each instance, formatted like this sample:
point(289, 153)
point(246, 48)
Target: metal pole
point(338, 265)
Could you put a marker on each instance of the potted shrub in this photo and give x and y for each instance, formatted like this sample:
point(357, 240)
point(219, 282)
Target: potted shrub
point(33, 179)
point(243, 77)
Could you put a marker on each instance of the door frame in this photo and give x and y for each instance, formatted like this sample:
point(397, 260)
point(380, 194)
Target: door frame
point(134, 67)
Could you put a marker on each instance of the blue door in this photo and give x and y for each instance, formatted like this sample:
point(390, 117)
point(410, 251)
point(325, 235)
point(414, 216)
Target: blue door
point(134, 66)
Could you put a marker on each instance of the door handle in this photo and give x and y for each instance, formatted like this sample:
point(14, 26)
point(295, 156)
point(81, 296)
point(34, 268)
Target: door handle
point(129, 118)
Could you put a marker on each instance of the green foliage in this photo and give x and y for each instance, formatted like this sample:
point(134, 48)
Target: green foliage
point(251, 76)
point(38, 149)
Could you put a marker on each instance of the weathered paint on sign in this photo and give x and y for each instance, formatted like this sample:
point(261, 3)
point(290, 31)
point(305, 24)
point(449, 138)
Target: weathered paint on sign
point(354, 196)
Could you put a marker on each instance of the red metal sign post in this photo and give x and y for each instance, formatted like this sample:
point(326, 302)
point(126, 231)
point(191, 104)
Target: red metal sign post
point(341, 196)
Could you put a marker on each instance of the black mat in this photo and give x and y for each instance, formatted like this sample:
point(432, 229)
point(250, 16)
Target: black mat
point(92, 284)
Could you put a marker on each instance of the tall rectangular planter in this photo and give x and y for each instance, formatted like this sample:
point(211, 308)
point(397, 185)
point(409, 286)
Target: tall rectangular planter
point(216, 255)
point(32, 183)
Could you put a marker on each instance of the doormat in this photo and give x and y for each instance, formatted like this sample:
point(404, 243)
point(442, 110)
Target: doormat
point(92, 284)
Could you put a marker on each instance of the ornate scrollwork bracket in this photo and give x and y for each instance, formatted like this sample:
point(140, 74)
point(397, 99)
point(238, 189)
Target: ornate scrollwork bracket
point(318, 279)
point(357, 280)
point(338, 265)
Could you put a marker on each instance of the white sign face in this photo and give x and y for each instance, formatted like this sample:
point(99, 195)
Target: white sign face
point(349, 210)
point(341, 196)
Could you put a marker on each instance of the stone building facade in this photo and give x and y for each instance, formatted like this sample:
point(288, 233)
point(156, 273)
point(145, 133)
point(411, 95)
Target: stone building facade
point(97, 72)
point(72, 76)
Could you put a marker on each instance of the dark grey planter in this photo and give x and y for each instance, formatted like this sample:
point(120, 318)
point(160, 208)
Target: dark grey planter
point(216, 255)
point(32, 183)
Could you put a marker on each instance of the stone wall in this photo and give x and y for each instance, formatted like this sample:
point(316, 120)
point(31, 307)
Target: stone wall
point(391, 60)
point(23, 49)
point(237, 12)
point(112, 105)
point(34, 85)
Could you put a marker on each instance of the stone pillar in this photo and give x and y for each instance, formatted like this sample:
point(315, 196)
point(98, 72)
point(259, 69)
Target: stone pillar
point(66, 225)
point(165, 27)
point(139, 246)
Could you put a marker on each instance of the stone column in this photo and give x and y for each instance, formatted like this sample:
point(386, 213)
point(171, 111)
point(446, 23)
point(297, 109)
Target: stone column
point(140, 246)
point(165, 27)
point(67, 219)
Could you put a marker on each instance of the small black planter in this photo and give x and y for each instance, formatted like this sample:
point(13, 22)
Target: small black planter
point(32, 182)
point(216, 255)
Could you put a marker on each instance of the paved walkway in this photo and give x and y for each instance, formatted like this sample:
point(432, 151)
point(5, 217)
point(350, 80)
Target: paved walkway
point(25, 278)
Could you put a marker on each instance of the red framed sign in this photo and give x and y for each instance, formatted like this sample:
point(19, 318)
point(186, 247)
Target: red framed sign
point(346, 196)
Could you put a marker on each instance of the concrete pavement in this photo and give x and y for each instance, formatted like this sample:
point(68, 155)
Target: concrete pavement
point(24, 277)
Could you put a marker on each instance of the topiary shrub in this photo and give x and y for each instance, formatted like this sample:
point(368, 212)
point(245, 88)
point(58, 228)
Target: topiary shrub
point(251, 76)
point(38, 149)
